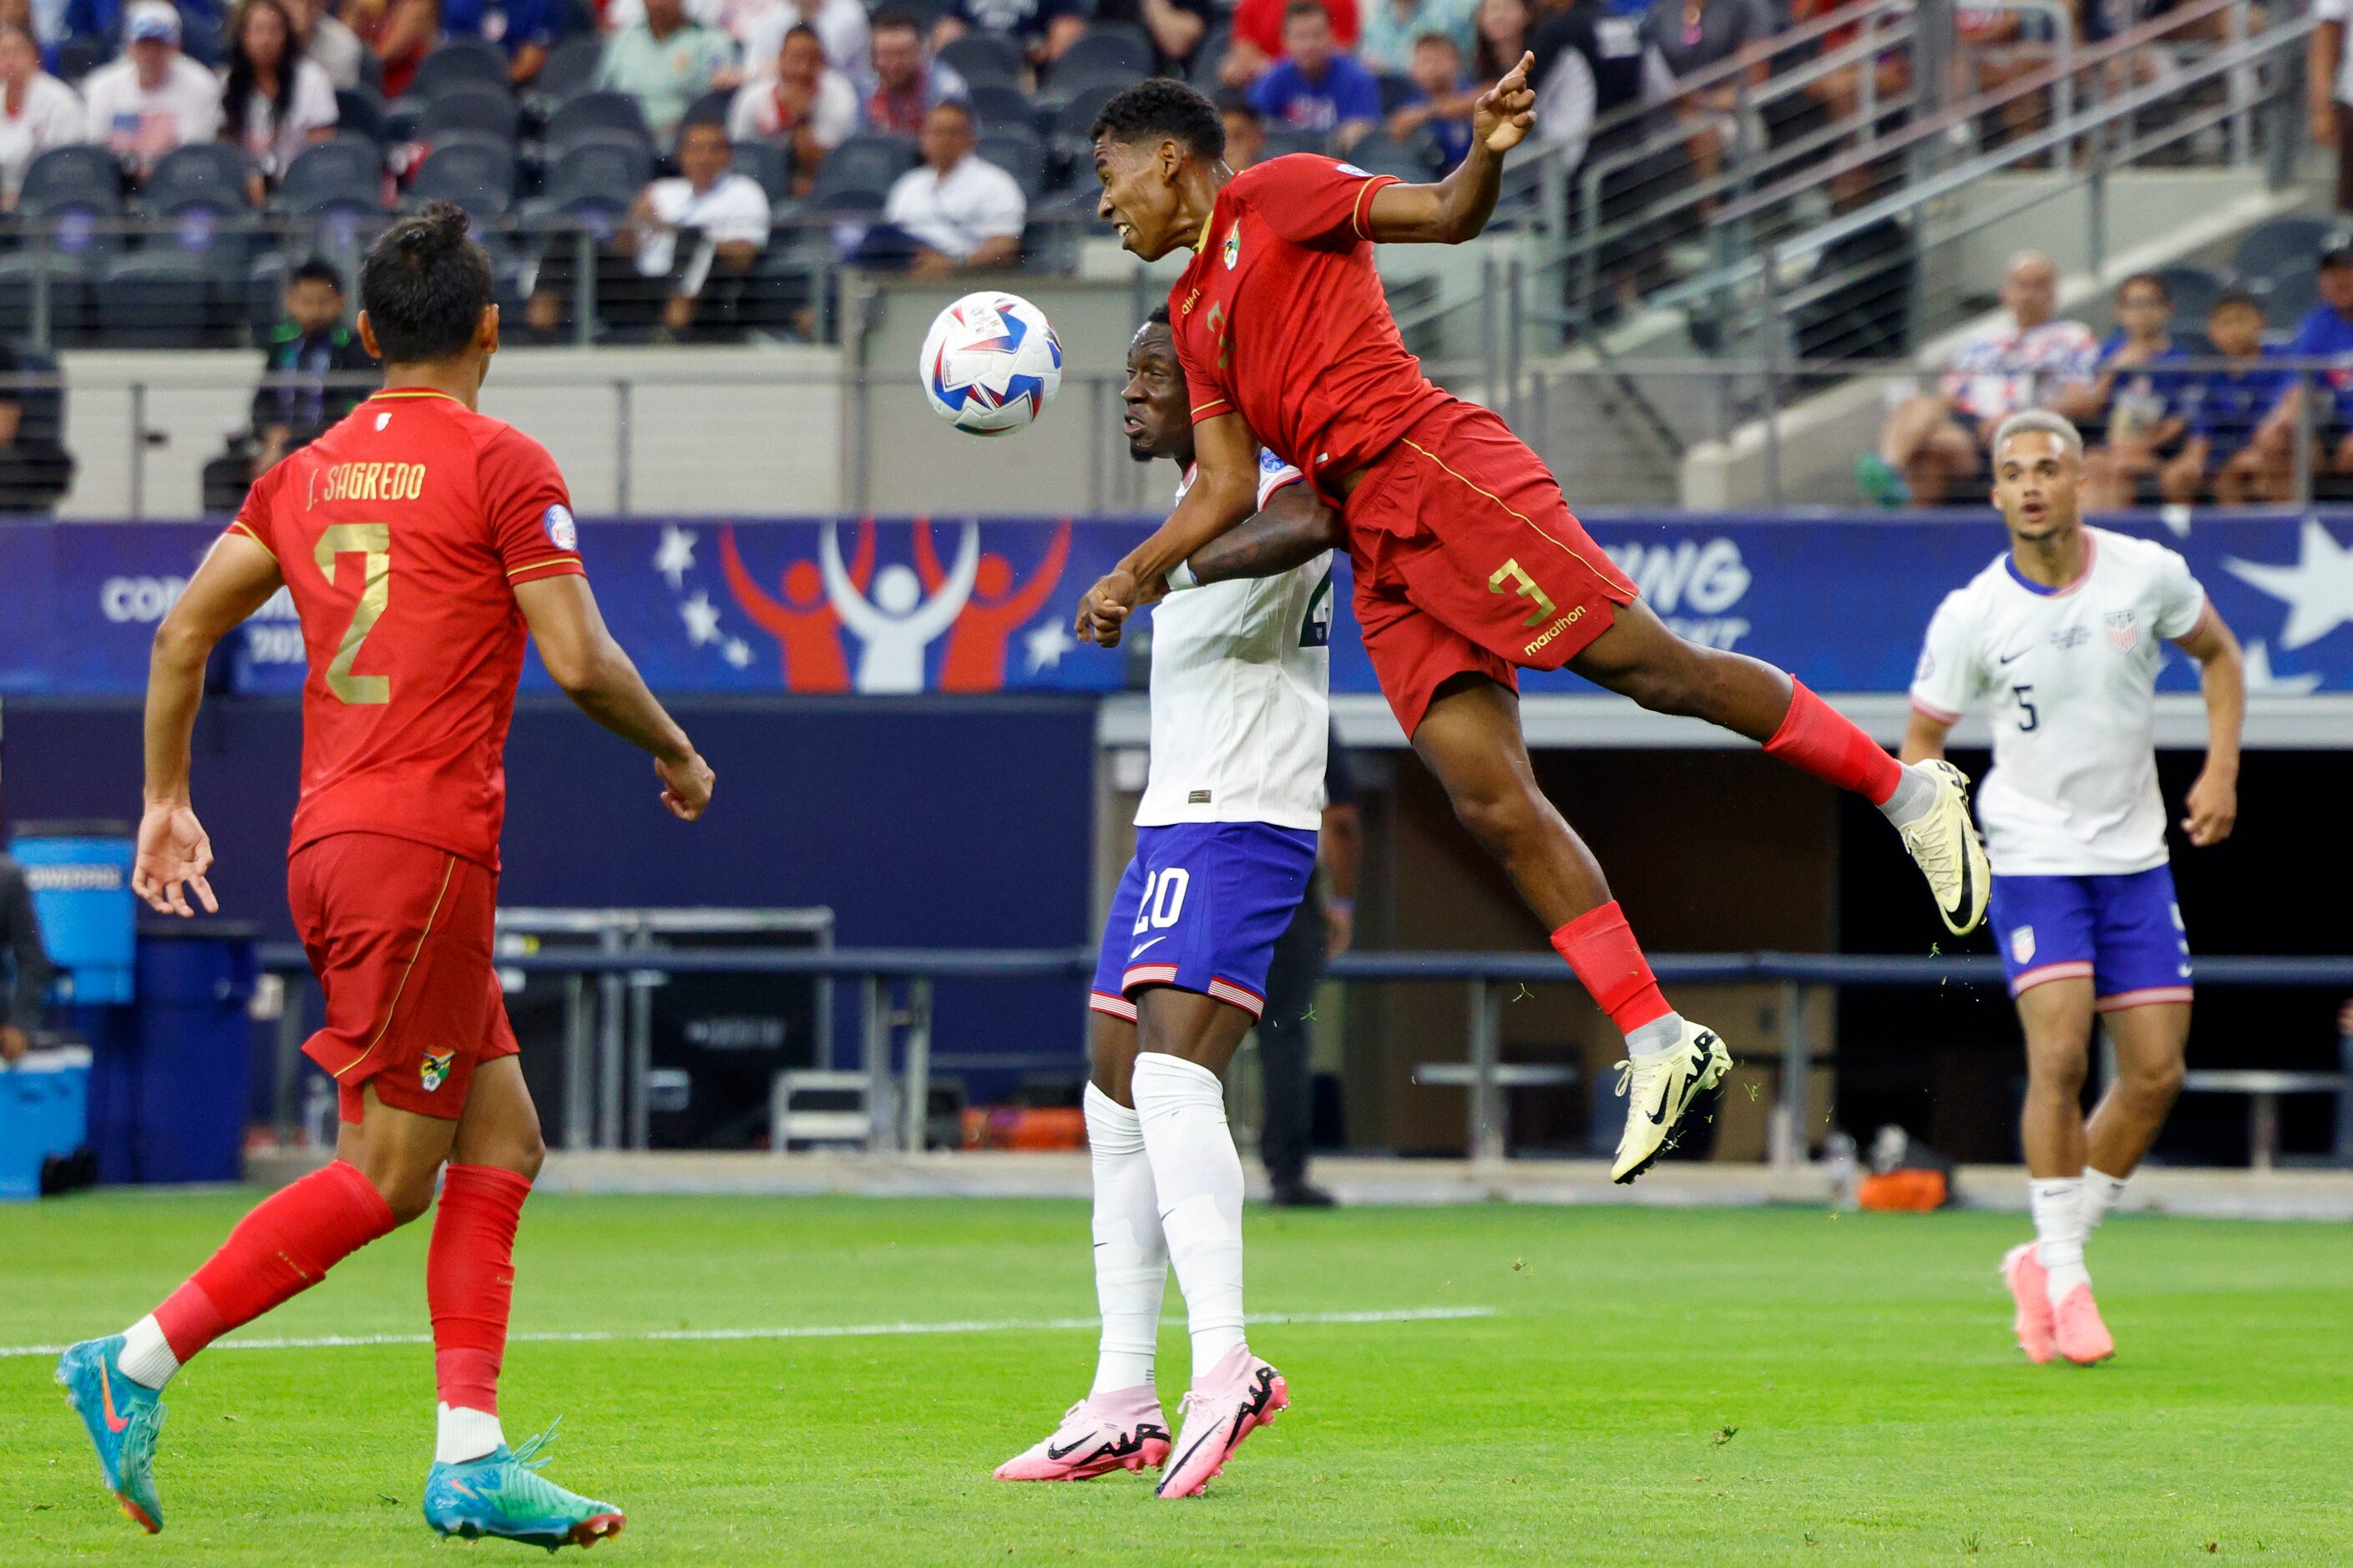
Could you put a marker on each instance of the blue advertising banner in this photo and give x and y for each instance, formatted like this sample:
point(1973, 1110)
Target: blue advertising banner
point(901, 606)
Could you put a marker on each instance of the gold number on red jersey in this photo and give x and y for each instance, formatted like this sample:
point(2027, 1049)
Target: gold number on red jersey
point(1512, 572)
point(372, 541)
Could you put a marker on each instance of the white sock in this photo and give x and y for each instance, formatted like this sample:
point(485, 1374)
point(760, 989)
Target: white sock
point(1915, 795)
point(460, 1434)
point(1130, 1257)
point(146, 1358)
point(1660, 1034)
point(1197, 1176)
point(2101, 1191)
point(2057, 1203)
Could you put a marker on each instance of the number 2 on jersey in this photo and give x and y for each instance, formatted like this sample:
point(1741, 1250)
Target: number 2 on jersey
point(372, 541)
point(1164, 898)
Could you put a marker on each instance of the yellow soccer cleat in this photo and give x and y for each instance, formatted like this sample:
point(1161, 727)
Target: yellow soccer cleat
point(1945, 844)
point(1659, 1090)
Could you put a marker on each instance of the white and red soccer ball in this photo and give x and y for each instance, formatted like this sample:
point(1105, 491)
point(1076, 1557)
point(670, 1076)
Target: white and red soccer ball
point(991, 364)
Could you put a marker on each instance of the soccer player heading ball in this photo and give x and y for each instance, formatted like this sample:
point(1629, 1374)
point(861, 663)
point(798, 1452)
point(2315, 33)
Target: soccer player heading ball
point(420, 541)
point(2061, 637)
point(1468, 563)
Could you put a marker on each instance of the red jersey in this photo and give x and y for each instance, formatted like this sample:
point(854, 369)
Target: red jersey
point(1260, 22)
point(1281, 319)
point(401, 533)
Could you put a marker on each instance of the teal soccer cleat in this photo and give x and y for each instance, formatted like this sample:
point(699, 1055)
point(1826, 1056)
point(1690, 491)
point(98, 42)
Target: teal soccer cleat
point(123, 1418)
point(503, 1494)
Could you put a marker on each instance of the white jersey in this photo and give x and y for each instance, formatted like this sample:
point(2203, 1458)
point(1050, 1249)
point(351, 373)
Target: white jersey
point(2071, 674)
point(1241, 678)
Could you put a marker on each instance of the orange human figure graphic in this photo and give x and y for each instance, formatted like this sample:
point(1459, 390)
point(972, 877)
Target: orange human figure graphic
point(975, 660)
point(804, 625)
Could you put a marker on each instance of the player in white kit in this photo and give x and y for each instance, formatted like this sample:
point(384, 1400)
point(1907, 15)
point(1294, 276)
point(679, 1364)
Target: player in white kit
point(2060, 638)
point(1225, 842)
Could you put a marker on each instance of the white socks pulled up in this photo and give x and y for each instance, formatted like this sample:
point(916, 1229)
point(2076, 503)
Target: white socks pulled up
point(1197, 1176)
point(1131, 1259)
point(2057, 1204)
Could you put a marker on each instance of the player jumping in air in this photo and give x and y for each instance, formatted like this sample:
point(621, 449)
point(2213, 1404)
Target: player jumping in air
point(1467, 561)
point(2061, 638)
point(1225, 842)
point(420, 541)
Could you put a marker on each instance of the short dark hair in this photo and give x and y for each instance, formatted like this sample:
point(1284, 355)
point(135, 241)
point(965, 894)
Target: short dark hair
point(1162, 107)
point(1159, 316)
point(886, 20)
point(2154, 280)
point(2236, 298)
point(797, 29)
point(425, 285)
point(1300, 10)
point(317, 270)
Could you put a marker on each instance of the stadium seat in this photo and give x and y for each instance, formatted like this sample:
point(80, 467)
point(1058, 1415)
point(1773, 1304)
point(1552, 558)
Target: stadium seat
point(608, 166)
point(345, 174)
point(983, 56)
point(1000, 106)
point(22, 277)
point(457, 61)
point(2194, 290)
point(476, 175)
point(80, 172)
point(709, 109)
point(471, 110)
point(1076, 117)
point(1020, 154)
point(199, 171)
point(1202, 70)
point(155, 300)
point(850, 202)
point(596, 111)
point(1397, 90)
point(571, 68)
point(1380, 153)
point(359, 111)
point(1282, 139)
point(768, 165)
point(2280, 246)
point(870, 161)
point(2286, 299)
point(1107, 49)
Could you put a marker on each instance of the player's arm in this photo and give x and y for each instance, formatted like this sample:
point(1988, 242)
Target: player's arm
point(582, 658)
point(1224, 493)
point(1342, 850)
point(1923, 738)
point(1457, 207)
point(1292, 529)
point(175, 852)
point(2213, 799)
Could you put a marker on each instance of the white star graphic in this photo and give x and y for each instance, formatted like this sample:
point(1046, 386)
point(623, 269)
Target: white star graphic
point(2261, 678)
point(1047, 642)
point(702, 620)
point(2318, 588)
point(738, 652)
point(675, 556)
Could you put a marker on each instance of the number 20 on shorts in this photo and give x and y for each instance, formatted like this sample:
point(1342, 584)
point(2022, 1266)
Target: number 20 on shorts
point(1164, 898)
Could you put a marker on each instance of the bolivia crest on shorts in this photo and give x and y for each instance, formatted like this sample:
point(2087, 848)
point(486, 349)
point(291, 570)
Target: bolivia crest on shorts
point(435, 1066)
point(2122, 633)
point(1231, 252)
point(560, 529)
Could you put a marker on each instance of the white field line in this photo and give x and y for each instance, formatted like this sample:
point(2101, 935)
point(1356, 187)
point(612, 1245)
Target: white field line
point(798, 1331)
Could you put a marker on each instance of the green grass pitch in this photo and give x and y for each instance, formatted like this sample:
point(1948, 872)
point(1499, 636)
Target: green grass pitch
point(1654, 1387)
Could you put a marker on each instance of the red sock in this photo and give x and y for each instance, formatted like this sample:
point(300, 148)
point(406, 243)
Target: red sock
point(469, 1282)
point(1601, 948)
point(276, 1252)
point(1823, 741)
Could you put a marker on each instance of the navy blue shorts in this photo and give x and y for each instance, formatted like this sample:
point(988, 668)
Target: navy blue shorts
point(2123, 934)
point(1199, 909)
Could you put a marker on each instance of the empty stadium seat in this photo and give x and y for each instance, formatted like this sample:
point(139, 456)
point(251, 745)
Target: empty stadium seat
point(1202, 70)
point(1106, 49)
point(25, 277)
point(1020, 154)
point(460, 60)
point(767, 163)
point(2194, 290)
point(608, 166)
point(983, 56)
point(2286, 299)
point(345, 174)
point(79, 172)
point(1282, 139)
point(2281, 245)
point(1000, 106)
point(469, 109)
point(870, 161)
point(360, 111)
point(1076, 115)
point(155, 300)
point(1380, 153)
point(571, 68)
point(476, 175)
point(1397, 90)
point(199, 171)
point(596, 111)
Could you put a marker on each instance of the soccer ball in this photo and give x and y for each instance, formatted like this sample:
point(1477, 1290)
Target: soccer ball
point(990, 363)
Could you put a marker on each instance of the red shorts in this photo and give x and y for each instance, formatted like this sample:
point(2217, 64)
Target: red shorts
point(399, 935)
point(1467, 559)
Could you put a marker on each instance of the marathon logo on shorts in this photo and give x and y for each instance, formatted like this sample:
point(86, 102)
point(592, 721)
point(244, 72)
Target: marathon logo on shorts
point(561, 530)
point(434, 1068)
point(1555, 630)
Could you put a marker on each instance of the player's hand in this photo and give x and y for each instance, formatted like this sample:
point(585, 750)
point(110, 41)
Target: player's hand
point(1339, 927)
point(2213, 804)
point(174, 852)
point(686, 786)
point(1104, 613)
point(1506, 111)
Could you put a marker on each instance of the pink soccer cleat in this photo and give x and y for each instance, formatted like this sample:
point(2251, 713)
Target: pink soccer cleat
point(1103, 1432)
point(1240, 1393)
point(2030, 1288)
point(2083, 1338)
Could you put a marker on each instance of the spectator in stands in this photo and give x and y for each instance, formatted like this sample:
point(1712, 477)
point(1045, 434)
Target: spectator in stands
point(315, 369)
point(35, 466)
point(2328, 87)
point(1591, 63)
point(2232, 449)
point(2325, 334)
point(1395, 28)
point(524, 29)
point(1255, 42)
point(1856, 302)
point(1935, 440)
point(274, 101)
point(956, 212)
point(709, 222)
point(760, 27)
point(1441, 106)
point(398, 33)
point(1504, 28)
point(1175, 26)
point(666, 60)
point(1840, 92)
point(800, 101)
point(1042, 29)
point(1318, 88)
point(2134, 412)
point(336, 49)
point(20, 937)
point(37, 112)
point(908, 83)
point(1245, 131)
point(105, 23)
point(1693, 36)
point(152, 97)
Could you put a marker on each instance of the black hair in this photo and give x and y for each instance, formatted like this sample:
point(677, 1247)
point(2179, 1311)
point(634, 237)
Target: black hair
point(1162, 107)
point(1298, 9)
point(796, 30)
point(1159, 316)
point(318, 269)
point(889, 17)
point(237, 90)
point(2235, 297)
point(425, 285)
point(2154, 280)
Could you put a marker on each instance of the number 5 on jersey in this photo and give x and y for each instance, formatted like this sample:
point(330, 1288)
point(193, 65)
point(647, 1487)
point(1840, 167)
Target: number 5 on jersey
point(372, 541)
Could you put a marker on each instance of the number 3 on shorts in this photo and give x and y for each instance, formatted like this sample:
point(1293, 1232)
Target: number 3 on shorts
point(1164, 898)
point(1512, 572)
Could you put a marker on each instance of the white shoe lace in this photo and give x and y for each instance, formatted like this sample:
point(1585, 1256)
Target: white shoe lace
point(1936, 850)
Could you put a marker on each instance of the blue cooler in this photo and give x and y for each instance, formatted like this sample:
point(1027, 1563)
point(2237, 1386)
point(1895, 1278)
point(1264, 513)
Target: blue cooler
point(44, 1107)
point(79, 873)
point(194, 1050)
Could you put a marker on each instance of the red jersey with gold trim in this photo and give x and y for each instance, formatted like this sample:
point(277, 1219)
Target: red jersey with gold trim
point(1280, 317)
point(401, 534)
